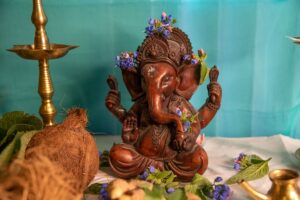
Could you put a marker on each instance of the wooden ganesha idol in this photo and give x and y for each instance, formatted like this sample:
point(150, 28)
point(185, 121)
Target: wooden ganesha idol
point(161, 127)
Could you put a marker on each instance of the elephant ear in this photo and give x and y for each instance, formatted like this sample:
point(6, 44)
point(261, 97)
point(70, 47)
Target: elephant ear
point(132, 81)
point(189, 79)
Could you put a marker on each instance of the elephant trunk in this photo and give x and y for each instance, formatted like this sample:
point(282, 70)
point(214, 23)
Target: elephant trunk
point(159, 114)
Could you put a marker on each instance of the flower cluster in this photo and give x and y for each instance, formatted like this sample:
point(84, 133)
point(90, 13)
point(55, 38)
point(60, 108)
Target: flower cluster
point(126, 60)
point(186, 120)
point(103, 194)
point(193, 58)
point(220, 191)
point(163, 26)
point(165, 179)
point(145, 174)
point(238, 162)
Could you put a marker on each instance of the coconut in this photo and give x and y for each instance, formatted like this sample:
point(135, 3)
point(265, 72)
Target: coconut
point(37, 179)
point(70, 146)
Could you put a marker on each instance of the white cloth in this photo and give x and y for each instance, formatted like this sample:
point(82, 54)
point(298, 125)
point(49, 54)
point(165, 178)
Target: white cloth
point(222, 151)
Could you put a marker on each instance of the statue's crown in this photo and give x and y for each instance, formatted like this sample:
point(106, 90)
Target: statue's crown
point(171, 49)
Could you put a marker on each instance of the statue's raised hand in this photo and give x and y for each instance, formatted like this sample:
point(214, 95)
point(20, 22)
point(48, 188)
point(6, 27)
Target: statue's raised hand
point(214, 88)
point(113, 99)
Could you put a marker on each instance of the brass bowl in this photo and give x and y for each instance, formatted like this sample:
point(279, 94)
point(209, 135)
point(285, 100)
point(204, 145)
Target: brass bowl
point(29, 51)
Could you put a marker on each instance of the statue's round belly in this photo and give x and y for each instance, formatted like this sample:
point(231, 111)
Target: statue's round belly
point(155, 141)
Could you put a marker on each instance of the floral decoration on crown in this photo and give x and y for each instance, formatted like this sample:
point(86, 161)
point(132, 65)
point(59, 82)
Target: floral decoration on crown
point(198, 59)
point(127, 60)
point(163, 26)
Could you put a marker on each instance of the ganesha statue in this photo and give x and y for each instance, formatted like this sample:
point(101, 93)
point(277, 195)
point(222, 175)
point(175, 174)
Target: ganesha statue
point(162, 126)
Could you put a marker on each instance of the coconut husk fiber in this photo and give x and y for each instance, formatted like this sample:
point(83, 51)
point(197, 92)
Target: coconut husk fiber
point(70, 146)
point(38, 179)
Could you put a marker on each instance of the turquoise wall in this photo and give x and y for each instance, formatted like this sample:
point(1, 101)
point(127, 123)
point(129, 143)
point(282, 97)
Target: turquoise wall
point(259, 66)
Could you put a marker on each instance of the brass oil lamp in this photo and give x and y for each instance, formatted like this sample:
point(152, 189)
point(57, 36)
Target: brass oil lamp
point(284, 186)
point(42, 51)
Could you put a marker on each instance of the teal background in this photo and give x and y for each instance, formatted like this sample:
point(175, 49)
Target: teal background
point(259, 66)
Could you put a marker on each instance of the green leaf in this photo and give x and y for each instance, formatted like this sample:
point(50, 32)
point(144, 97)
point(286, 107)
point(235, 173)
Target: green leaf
point(24, 140)
point(204, 71)
point(178, 194)
point(184, 116)
point(202, 195)
point(253, 172)
point(198, 185)
point(163, 174)
point(156, 193)
point(2, 133)
point(13, 130)
point(172, 184)
point(194, 117)
point(17, 121)
point(201, 180)
point(7, 154)
point(174, 21)
point(254, 159)
point(170, 179)
point(191, 188)
point(19, 117)
point(93, 189)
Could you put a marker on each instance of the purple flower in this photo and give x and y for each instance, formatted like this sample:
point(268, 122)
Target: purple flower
point(170, 190)
point(221, 192)
point(160, 29)
point(194, 61)
point(166, 33)
point(149, 29)
point(218, 179)
point(236, 166)
point(178, 112)
point(186, 125)
point(144, 175)
point(151, 21)
point(126, 60)
point(241, 156)
point(186, 57)
point(152, 169)
point(103, 194)
point(237, 162)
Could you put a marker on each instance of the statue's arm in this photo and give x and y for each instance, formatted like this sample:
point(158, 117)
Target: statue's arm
point(213, 102)
point(113, 99)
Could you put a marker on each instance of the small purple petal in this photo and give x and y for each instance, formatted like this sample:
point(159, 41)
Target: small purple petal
point(160, 29)
point(187, 124)
point(166, 33)
point(152, 169)
point(194, 61)
point(178, 112)
point(241, 156)
point(186, 57)
point(170, 190)
point(218, 179)
point(237, 166)
point(151, 21)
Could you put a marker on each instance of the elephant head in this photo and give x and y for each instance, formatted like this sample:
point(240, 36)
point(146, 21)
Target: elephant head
point(160, 81)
